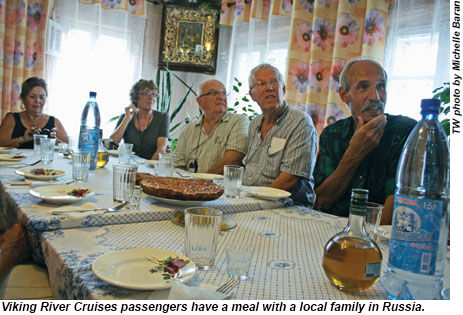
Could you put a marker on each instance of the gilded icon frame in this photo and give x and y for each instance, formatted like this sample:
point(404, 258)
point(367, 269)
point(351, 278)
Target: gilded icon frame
point(189, 39)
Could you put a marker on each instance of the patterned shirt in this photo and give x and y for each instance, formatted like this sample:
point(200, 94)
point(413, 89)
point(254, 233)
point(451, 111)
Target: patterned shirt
point(377, 172)
point(195, 144)
point(290, 147)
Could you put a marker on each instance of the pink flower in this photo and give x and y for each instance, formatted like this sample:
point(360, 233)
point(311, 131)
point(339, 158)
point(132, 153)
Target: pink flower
point(21, 11)
point(307, 4)
point(35, 16)
point(334, 113)
point(328, 3)
point(319, 76)
point(9, 52)
point(34, 56)
point(347, 30)
point(17, 53)
point(323, 34)
point(374, 28)
point(302, 36)
point(299, 73)
point(336, 69)
point(224, 10)
point(134, 6)
point(317, 113)
point(15, 88)
point(287, 5)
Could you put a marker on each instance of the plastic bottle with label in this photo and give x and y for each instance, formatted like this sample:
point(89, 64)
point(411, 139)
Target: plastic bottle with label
point(90, 129)
point(420, 220)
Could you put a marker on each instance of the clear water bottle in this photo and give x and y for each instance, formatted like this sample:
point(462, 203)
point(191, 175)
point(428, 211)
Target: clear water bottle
point(420, 221)
point(90, 129)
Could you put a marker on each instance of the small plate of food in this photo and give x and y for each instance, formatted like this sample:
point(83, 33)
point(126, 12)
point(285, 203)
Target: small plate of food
point(12, 157)
point(61, 194)
point(40, 173)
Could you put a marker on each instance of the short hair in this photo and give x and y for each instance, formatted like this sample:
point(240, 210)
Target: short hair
point(264, 65)
point(200, 88)
point(344, 77)
point(31, 83)
point(139, 86)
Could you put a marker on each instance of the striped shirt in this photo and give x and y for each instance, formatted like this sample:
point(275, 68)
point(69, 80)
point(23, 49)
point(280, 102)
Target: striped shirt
point(194, 143)
point(290, 147)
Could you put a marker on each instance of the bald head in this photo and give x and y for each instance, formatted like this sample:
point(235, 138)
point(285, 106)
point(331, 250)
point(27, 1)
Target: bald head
point(212, 98)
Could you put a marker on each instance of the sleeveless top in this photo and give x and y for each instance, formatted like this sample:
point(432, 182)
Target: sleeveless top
point(18, 130)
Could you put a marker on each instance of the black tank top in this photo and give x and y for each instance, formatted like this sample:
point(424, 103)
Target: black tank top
point(18, 130)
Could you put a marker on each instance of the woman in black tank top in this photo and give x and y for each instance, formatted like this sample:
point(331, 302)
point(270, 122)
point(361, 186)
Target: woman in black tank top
point(17, 129)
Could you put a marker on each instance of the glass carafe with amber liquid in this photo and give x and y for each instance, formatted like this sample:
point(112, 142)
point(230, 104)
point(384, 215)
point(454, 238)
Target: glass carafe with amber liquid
point(351, 259)
point(103, 156)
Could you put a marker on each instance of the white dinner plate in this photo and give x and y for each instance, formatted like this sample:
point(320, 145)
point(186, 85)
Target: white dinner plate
point(177, 202)
point(58, 194)
point(6, 149)
point(206, 176)
point(267, 193)
point(131, 269)
point(28, 173)
point(12, 157)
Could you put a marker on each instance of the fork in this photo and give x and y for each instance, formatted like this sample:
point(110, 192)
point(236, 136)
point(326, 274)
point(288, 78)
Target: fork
point(228, 286)
point(113, 209)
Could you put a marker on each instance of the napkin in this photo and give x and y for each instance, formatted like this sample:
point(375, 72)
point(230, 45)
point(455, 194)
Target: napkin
point(75, 215)
point(181, 291)
point(12, 163)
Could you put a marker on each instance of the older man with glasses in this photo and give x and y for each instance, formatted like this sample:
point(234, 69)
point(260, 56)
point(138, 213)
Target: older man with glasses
point(218, 138)
point(282, 142)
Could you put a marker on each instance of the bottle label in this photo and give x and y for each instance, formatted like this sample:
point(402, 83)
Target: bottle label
point(88, 140)
point(372, 270)
point(415, 234)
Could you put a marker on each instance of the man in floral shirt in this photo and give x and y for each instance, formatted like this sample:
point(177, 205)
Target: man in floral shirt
point(361, 151)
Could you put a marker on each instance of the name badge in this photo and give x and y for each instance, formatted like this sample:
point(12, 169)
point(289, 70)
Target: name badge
point(276, 145)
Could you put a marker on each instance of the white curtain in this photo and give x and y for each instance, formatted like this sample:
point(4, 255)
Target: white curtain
point(92, 49)
point(416, 53)
point(254, 43)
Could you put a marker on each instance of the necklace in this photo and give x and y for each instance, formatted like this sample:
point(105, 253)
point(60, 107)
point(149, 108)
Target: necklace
point(147, 122)
point(33, 120)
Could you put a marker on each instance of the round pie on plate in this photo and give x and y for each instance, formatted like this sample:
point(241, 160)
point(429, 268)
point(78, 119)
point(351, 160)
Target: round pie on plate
point(180, 188)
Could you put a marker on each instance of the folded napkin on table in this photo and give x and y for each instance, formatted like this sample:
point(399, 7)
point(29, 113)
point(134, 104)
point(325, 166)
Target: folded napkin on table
point(181, 291)
point(64, 210)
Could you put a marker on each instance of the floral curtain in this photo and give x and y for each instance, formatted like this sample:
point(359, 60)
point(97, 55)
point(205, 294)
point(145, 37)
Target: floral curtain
point(325, 34)
point(22, 45)
point(135, 7)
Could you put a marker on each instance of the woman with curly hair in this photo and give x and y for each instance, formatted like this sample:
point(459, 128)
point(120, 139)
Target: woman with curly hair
point(145, 128)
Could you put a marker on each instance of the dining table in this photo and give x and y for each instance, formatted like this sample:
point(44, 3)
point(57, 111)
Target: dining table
point(288, 241)
point(18, 205)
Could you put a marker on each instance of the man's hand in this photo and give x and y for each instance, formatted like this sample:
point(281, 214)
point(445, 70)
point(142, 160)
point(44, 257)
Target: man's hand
point(366, 137)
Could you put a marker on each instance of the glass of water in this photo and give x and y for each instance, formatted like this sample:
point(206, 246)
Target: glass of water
point(125, 152)
point(166, 164)
point(239, 261)
point(232, 178)
point(47, 150)
point(37, 141)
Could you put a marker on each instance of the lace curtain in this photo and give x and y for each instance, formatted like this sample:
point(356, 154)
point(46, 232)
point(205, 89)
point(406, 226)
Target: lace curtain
point(22, 40)
point(92, 49)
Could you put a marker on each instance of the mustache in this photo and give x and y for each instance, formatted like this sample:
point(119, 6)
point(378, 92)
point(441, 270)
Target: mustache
point(373, 105)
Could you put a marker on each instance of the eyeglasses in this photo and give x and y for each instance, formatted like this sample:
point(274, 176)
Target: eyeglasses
point(154, 94)
point(262, 84)
point(214, 93)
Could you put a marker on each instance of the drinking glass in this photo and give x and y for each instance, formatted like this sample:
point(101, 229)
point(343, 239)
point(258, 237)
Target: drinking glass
point(233, 176)
point(62, 147)
point(202, 227)
point(37, 140)
point(372, 219)
point(80, 165)
point(124, 176)
point(166, 164)
point(238, 261)
point(133, 196)
point(125, 152)
point(47, 150)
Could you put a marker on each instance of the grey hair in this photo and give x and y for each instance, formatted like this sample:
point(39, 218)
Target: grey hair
point(344, 81)
point(264, 65)
point(200, 88)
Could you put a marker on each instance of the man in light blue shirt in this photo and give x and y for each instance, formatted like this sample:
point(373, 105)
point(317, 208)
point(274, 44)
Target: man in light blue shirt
point(282, 142)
